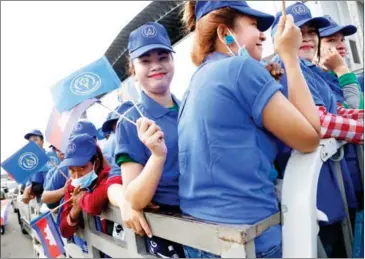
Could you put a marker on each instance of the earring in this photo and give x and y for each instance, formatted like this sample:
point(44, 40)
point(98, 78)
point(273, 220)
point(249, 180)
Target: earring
point(229, 39)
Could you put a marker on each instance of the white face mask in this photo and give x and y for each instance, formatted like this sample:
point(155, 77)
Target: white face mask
point(86, 180)
point(242, 51)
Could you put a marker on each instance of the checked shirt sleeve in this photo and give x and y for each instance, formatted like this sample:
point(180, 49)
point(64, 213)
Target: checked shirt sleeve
point(340, 128)
point(355, 114)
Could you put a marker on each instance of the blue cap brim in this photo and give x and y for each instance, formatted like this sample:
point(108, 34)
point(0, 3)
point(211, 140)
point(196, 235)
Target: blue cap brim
point(139, 52)
point(28, 135)
point(318, 22)
point(107, 126)
point(80, 161)
point(346, 30)
point(264, 20)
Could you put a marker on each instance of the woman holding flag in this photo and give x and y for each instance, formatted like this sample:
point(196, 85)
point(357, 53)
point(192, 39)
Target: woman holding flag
point(87, 190)
point(336, 123)
point(147, 152)
point(232, 114)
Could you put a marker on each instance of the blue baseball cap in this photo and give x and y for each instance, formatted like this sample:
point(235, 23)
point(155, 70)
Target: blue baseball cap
point(149, 36)
point(301, 15)
point(84, 127)
point(80, 149)
point(114, 117)
point(333, 28)
point(264, 20)
point(33, 133)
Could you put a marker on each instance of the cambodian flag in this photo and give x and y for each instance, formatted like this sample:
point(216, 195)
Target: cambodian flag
point(60, 125)
point(91, 81)
point(48, 235)
point(25, 162)
point(5, 204)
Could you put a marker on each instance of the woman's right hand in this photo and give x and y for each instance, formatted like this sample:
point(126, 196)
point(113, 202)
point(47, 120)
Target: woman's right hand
point(135, 220)
point(287, 39)
point(152, 137)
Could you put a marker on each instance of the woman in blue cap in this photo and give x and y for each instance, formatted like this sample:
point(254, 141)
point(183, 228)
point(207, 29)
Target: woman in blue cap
point(332, 60)
point(231, 115)
point(334, 125)
point(88, 186)
point(148, 152)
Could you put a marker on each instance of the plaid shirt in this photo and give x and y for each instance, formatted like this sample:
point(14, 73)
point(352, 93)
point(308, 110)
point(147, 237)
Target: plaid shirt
point(347, 125)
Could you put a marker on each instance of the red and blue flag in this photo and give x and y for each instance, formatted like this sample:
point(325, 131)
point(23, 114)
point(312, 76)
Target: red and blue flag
point(48, 235)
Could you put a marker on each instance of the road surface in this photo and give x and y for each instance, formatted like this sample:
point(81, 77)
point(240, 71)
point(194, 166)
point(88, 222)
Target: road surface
point(13, 243)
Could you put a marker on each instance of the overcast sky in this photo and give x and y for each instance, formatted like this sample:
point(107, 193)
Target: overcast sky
point(43, 42)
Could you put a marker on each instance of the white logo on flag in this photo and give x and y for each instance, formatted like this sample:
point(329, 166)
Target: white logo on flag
point(71, 148)
point(49, 236)
point(299, 9)
point(85, 83)
point(149, 31)
point(28, 161)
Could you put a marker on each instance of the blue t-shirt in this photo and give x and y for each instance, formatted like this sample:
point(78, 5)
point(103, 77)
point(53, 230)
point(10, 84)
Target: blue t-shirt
point(329, 199)
point(129, 143)
point(108, 152)
point(225, 155)
point(56, 180)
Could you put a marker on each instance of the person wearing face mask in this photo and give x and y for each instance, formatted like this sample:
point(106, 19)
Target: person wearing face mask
point(331, 59)
point(147, 153)
point(334, 124)
point(231, 115)
point(88, 185)
point(54, 187)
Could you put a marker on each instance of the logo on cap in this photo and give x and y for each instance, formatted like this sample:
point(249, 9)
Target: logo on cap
point(299, 9)
point(28, 161)
point(49, 163)
point(71, 148)
point(149, 31)
point(78, 127)
point(85, 83)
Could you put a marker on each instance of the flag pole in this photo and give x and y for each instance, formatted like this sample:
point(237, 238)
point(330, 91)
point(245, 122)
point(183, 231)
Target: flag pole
point(284, 9)
point(121, 115)
point(63, 203)
point(59, 170)
point(139, 111)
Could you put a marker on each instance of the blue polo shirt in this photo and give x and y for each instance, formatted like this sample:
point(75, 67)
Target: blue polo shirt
point(360, 78)
point(129, 144)
point(225, 155)
point(329, 198)
point(108, 152)
point(56, 180)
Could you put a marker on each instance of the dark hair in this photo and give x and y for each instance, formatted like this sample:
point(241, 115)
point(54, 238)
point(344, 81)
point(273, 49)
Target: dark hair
point(99, 160)
point(206, 28)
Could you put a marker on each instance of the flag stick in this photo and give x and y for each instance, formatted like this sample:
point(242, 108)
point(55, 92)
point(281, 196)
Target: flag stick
point(139, 111)
point(284, 9)
point(59, 170)
point(63, 203)
point(121, 115)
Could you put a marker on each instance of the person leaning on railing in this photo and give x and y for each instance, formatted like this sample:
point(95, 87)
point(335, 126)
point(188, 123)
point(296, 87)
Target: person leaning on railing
point(147, 152)
point(335, 123)
point(87, 190)
point(232, 115)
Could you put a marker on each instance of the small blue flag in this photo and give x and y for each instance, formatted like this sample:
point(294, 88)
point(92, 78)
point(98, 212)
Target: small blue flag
point(25, 162)
point(48, 235)
point(91, 81)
